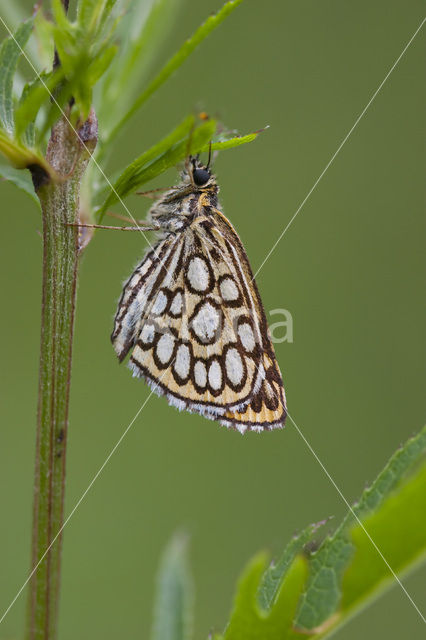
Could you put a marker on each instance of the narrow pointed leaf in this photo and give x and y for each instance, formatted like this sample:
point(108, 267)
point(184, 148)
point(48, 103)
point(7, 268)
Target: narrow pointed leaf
point(165, 154)
point(84, 48)
point(128, 179)
point(10, 51)
point(44, 40)
point(180, 56)
point(141, 31)
point(20, 156)
point(230, 143)
point(60, 15)
point(21, 179)
point(86, 12)
point(28, 134)
point(173, 609)
point(177, 154)
point(73, 57)
point(100, 64)
point(104, 14)
point(92, 14)
point(39, 94)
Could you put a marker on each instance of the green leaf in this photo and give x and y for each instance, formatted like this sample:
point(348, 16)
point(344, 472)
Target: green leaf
point(141, 32)
point(20, 156)
point(392, 511)
point(105, 14)
point(37, 94)
point(230, 143)
point(28, 135)
point(167, 153)
point(87, 11)
point(177, 60)
point(173, 609)
point(20, 179)
point(273, 577)
point(398, 528)
point(248, 621)
point(324, 591)
point(10, 52)
point(195, 143)
point(60, 15)
point(44, 40)
point(100, 64)
point(84, 49)
point(93, 14)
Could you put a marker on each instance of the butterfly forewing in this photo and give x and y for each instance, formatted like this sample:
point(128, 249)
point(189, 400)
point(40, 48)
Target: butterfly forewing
point(194, 322)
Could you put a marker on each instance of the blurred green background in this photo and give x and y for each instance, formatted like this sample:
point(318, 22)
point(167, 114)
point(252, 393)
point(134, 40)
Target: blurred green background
point(349, 269)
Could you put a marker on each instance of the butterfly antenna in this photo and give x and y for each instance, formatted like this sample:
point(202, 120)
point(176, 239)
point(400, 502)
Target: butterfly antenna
point(188, 147)
point(210, 154)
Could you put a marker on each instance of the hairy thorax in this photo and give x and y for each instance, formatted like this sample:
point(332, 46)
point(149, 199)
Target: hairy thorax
point(181, 205)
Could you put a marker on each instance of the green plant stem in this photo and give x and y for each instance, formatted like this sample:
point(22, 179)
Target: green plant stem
point(68, 154)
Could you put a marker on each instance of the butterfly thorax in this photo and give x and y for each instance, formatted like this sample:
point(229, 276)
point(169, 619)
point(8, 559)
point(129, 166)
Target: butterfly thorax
point(181, 204)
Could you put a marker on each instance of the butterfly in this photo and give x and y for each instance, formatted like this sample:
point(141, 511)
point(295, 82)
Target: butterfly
point(192, 317)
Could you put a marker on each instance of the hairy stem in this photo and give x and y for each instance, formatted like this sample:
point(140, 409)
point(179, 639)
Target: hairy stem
point(68, 154)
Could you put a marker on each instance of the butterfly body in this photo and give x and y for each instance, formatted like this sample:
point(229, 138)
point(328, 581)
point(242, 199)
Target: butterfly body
point(192, 317)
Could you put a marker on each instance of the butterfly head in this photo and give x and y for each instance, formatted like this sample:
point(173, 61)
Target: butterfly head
point(198, 175)
point(196, 178)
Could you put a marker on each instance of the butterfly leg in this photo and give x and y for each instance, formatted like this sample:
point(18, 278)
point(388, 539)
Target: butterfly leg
point(103, 226)
point(154, 194)
point(140, 223)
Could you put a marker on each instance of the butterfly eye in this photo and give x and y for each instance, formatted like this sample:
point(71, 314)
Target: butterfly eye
point(201, 176)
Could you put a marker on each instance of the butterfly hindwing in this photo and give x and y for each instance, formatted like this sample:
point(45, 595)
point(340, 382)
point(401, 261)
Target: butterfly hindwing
point(193, 316)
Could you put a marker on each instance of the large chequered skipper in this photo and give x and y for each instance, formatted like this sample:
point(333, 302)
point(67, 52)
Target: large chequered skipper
point(192, 317)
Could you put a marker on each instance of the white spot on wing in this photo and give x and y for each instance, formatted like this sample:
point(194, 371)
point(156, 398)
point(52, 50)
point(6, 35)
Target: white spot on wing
point(183, 361)
point(200, 374)
point(165, 347)
point(229, 290)
point(234, 366)
point(177, 303)
point(198, 274)
point(215, 375)
point(206, 322)
point(160, 303)
point(147, 334)
point(246, 336)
